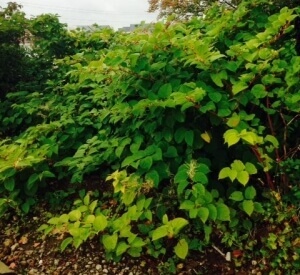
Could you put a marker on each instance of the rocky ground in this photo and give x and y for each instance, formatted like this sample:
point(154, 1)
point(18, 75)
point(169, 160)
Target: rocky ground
point(25, 251)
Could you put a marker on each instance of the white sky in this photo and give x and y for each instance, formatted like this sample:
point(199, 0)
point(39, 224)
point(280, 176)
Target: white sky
point(116, 13)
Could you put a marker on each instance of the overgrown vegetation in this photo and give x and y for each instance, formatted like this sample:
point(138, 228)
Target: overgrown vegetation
point(192, 126)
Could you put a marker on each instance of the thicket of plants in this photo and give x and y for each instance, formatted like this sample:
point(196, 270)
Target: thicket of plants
point(194, 126)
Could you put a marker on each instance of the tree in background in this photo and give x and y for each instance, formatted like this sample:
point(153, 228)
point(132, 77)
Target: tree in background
point(28, 48)
point(187, 8)
point(12, 55)
point(184, 8)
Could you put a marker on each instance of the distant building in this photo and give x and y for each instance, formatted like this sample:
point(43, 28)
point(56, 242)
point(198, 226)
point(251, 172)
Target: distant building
point(132, 27)
point(92, 28)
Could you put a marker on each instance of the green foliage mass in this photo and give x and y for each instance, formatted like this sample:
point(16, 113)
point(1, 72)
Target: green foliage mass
point(189, 121)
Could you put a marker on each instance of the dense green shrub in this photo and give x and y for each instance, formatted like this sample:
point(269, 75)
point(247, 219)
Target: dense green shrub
point(191, 122)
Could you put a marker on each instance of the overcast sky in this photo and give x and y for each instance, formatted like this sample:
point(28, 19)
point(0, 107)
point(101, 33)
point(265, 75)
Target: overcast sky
point(116, 13)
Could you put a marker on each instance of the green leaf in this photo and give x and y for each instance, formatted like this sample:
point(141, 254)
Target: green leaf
point(243, 177)
point(64, 218)
point(32, 180)
point(177, 224)
point(93, 205)
point(181, 249)
point(137, 242)
point(77, 242)
point(248, 206)
point(227, 172)
point(75, 232)
point(250, 168)
point(134, 252)
point(236, 196)
point(193, 213)
point(181, 175)
point(165, 90)
point(238, 166)
point(9, 184)
point(217, 79)
point(181, 186)
point(233, 121)
point(250, 193)
point(189, 138)
point(203, 214)
point(100, 222)
point(223, 212)
point(171, 152)
point(259, 91)
point(187, 205)
point(258, 208)
point(165, 219)
point(74, 215)
point(215, 96)
point(54, 220)
point(89, 219)
point(48, 174)
point(25, 207)
point(231, 137)
point(128, 197)
point(86, 199)
point(110, 241)
point(213, 213)
point(65, 243)
point(273, 140)
point(179, 135)
point(146, 163)
point(238, 87)
point(231, 66)
point(153, 176)
point(200, 177)
point(160, 232)
point(250, 137)
point(121, 248)
point(7, 173)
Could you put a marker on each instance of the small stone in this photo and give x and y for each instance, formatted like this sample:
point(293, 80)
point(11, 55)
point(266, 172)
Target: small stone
point(105, 270)
point(98, 267)
point(254, 262)
point(130, 273)
point(90, 263)
point(33, 271)
point(56, 262)
point(143, 263)
point(23, 263)
point(87, 266)
point(14, 247)
point(29, 252)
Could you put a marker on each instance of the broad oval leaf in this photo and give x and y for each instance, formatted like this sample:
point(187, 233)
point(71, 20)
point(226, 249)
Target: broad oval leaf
point(160, 232)
point(110, 241)
point(203, 214)
point(248, 206)
point(74, 215)
point(236, 196)
point(181, 249)
point(100, 223)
